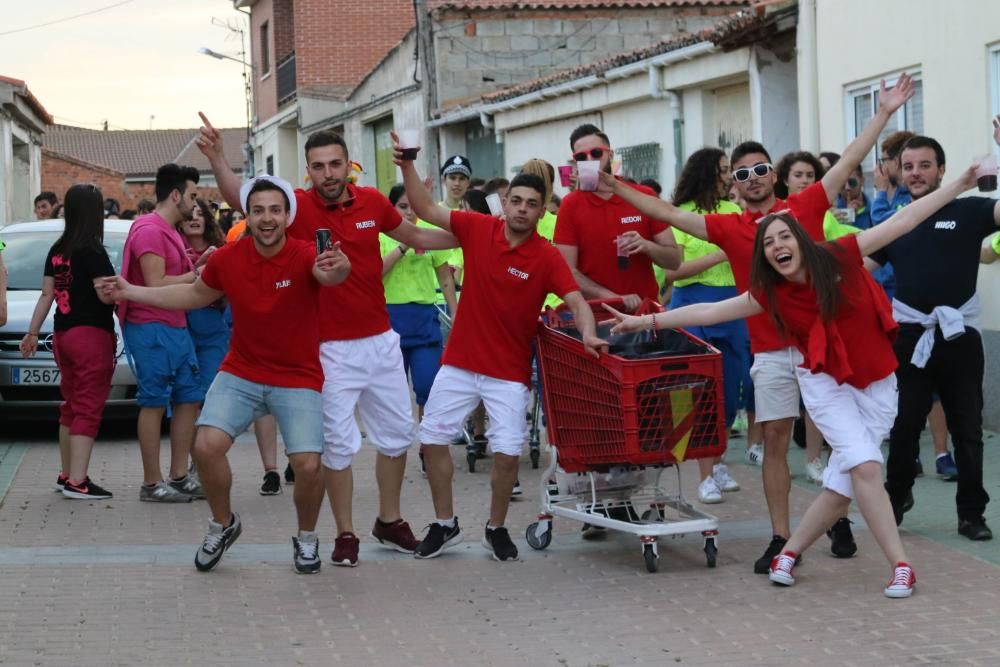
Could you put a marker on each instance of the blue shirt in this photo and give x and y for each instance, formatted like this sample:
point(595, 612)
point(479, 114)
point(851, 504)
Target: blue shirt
point(882, 209)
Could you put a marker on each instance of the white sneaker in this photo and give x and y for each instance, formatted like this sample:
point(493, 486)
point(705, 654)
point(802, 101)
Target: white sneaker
point(814, 471)
point(755, 454)
point(709, 492)
point(725, 481)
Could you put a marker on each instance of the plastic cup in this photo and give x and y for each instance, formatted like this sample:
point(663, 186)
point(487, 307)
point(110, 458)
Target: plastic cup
point(986, 174)
point(496, 207)
point(623, 259)
point(409, 141)
point(588, 173)
point(847, 215)
point(566, 175)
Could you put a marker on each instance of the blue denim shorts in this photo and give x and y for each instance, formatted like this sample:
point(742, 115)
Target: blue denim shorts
point(166, 367)
point(233, 403)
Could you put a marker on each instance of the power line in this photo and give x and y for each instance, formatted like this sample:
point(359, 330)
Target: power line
point(66, 18)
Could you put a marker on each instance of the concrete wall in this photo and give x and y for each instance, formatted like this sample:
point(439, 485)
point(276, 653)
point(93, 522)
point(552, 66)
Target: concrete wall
point(485, 51)
point(949, 45)
point(265, 84)
point(20, 170)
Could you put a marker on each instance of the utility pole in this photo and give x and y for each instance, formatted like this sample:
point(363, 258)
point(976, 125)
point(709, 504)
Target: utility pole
point(425, 52)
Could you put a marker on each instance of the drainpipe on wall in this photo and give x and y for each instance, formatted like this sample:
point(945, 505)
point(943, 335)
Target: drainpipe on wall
point(658, 93)
point(808, 79)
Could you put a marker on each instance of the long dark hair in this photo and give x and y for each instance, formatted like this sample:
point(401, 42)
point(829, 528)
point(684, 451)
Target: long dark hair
point(699, 181)
point(821, 265)
point(785, 167)
point(83, 210)
point(213, 232)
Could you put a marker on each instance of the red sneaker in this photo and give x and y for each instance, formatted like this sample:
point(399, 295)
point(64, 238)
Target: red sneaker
point(781, 569)
point(901, 584)
point(396, 535)
point(345, 550)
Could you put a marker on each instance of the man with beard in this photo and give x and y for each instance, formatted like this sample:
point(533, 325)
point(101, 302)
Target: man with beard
point(267, 278)
point(360, 353)
point(609, 245)
point(157, 339)
point(939, 347)
point(776, 388)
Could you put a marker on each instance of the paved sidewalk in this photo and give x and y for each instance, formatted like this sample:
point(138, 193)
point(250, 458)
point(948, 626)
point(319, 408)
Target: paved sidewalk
point(112, 583)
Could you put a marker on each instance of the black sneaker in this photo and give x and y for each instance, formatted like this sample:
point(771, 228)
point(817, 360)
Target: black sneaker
point(305, 554)
point(60, 482)
point(975, 529)
point(842, 544)
point(918, 468)
point(516, 491)
point(272, 484)
point(289, 474)
point(763, 564)
point(498, 541)
point(216, 542)
point(85, 491)
point(437, 539)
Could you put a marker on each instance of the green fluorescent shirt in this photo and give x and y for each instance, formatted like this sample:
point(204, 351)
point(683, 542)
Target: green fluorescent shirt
point(720, 275)
point(834, 229)
point(413, 278)
point(547, 229)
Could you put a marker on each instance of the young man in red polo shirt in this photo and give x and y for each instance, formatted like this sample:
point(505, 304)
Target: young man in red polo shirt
point(589, 226)
point(776, 389)
point(511, 270)
point(361, 357)
point(267, 278)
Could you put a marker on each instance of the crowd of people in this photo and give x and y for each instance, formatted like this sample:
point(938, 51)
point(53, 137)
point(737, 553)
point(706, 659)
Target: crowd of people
point(786, 268)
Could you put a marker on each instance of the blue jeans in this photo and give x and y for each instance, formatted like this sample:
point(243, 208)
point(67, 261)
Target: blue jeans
point(729, 337)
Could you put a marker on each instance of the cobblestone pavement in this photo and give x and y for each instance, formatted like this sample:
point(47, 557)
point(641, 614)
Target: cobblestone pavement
point(112, 583)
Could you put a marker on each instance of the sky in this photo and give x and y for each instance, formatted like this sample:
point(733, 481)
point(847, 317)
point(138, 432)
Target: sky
point(135, 65)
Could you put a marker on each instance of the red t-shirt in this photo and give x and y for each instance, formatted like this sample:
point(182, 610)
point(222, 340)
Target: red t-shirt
point(502, 295)
point(735, 233)
point(356, 307)
point(856, 346)
point(592, 224)
point(275, 337)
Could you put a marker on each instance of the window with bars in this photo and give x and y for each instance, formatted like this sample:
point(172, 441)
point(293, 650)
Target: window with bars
point(862, 102)
point(640, 162)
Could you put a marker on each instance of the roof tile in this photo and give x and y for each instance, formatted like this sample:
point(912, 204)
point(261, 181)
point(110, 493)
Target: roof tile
point(474, 5)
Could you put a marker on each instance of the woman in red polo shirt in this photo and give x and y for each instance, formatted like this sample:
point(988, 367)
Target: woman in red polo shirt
point(824, 300)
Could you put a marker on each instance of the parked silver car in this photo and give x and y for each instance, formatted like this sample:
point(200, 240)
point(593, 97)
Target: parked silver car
point(29, 388)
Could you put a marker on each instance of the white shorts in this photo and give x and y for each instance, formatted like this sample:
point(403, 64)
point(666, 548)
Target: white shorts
point(456, 392)
point(853, 421)
point(775, 385)
point(367, 373)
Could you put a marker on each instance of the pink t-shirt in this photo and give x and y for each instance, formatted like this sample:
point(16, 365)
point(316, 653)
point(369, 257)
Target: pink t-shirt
point(152, 234)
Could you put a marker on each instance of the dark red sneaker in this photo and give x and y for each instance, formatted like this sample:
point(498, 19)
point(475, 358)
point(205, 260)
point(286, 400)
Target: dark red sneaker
point(345, 550)
point(396, 535)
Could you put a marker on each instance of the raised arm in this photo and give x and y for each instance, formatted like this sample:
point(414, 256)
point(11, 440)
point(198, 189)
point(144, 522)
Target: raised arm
point(171, 297)
point(418, 195)
point(696, 315)
point(907, 218)
point(888, 102)
point(209, 142)
point(420, 237)
point(654, 207)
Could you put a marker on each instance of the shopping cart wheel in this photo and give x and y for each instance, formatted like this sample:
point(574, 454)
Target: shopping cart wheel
point(651, 557)
point(539, 537)
point(711, 551)
point(535, 455)
point(471, 459)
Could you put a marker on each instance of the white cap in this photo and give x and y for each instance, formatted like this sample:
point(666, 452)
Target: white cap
point(280, 182)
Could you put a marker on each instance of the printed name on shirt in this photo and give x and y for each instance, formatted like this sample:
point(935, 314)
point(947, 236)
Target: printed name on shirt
point(282, 283)
point(366, 224)
point(631, 218)
point(945, 224)
point(517, 272)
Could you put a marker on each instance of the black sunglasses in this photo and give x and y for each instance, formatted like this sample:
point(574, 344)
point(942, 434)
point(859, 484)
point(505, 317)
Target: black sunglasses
point(759, 170)
point(595, 153)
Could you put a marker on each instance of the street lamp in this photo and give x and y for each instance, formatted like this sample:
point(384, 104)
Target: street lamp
point(249, 96)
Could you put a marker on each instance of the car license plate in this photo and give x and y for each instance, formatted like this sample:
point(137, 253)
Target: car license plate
point(35, 376)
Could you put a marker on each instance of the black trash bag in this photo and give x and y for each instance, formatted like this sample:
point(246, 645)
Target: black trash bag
point(645, 344)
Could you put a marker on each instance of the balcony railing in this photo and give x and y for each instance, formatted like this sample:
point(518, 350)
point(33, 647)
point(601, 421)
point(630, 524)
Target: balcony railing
point(286, 79)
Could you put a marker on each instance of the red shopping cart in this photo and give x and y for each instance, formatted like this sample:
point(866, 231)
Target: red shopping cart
point(616, 423)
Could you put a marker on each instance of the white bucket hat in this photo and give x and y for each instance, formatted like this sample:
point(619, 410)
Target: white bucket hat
point(280, 182)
